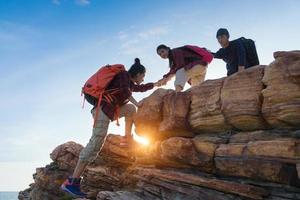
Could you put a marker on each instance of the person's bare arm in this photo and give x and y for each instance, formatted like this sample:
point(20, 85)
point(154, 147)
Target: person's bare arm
point(132, 100)
point(241, 68)
point(164, 81)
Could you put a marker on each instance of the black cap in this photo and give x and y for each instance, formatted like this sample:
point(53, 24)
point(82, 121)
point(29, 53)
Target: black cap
point(222, 31)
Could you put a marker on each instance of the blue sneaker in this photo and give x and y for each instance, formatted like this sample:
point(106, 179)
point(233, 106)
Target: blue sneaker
point(72, 187)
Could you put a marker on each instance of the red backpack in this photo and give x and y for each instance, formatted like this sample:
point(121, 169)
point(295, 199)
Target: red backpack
point(206, 55)
point(97, 83)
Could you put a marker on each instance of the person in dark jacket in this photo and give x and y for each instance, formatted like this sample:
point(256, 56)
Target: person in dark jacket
point(123, 84)
point(186, 64)
point(232, 52)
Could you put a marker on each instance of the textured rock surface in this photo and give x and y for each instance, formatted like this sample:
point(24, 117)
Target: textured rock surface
point(66, 155)
point(119, 195)
point(107, 171)
point(242, 99)
point(182, 150)
point(149, 116)
point(47, 181)
point(205, 111)
point(207, 166)
point(175, 110)
point(281, 105)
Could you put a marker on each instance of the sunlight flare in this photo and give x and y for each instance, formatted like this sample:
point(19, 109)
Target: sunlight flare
point(141, 140)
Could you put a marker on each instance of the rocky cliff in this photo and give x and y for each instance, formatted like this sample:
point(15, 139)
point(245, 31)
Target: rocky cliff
point(231, 138)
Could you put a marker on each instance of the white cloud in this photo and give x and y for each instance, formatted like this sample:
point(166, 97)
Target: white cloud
point(130, 46)
point(136, 42)
point(153, 32)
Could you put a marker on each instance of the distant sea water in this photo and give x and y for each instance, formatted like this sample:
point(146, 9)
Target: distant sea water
point(9, 195)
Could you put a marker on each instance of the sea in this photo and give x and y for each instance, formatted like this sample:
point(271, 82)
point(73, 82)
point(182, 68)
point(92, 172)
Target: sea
point(9, 195)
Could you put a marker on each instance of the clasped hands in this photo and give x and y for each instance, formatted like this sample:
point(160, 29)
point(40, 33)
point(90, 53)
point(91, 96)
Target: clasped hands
point(161, 82)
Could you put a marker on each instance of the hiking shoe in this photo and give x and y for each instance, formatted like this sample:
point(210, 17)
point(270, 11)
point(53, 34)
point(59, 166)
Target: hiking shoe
point(72, 187)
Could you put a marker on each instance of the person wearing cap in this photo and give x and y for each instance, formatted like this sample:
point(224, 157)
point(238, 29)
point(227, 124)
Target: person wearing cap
point(233, 52)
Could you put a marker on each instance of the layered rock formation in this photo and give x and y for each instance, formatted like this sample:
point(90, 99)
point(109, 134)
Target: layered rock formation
point(281, 106)
point(152, 113)
point(231, 138)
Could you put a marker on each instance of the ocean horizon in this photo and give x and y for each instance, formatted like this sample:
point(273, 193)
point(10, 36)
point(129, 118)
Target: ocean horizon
point(8, 195)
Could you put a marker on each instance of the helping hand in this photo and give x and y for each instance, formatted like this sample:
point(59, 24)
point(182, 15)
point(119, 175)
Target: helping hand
point(140, 103)
point(241, 68)
point(161, 82)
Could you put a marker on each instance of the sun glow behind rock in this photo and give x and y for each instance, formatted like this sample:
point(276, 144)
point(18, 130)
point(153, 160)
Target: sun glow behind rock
point(141, 140)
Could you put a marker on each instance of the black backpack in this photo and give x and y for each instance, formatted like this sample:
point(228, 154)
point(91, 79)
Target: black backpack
point(251, 53)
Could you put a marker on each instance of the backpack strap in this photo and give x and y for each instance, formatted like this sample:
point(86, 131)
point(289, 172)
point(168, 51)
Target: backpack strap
point(83, 101)
point(97, 109)
point(117, 114)
point(108, 97)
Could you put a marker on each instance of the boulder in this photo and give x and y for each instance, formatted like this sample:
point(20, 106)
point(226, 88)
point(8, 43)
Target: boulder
point(151, 155)
point(205, 111)
point(260, 157)
point(281, 104)
point(99, 178)
point(287, 148)
point(241, 99)
point(275, 149)
point(263, 135)
point(172, 179)
point(182, 150)
point(175, 110)
point(149, 115)
point(47, 182)
point(257, 169)
point(25, 195)
point(66, 155)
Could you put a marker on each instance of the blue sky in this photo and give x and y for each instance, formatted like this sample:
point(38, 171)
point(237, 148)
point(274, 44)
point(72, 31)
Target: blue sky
point(48, 48)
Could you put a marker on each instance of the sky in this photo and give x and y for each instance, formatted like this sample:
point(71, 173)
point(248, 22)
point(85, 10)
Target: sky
point(49, 48)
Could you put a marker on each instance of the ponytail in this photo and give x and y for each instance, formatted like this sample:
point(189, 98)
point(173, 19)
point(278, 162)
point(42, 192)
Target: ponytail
point(136, 68)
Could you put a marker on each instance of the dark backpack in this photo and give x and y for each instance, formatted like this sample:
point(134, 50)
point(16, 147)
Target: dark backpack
point(251, 53)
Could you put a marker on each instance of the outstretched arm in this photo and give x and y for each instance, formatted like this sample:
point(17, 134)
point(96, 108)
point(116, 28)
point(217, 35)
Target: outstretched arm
point(142, 87)
point(218, 54)
point(148, 86)
point(166, 79)
point(132, 100)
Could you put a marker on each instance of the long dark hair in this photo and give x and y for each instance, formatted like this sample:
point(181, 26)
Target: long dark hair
point(163, 46)
point(136, 68)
